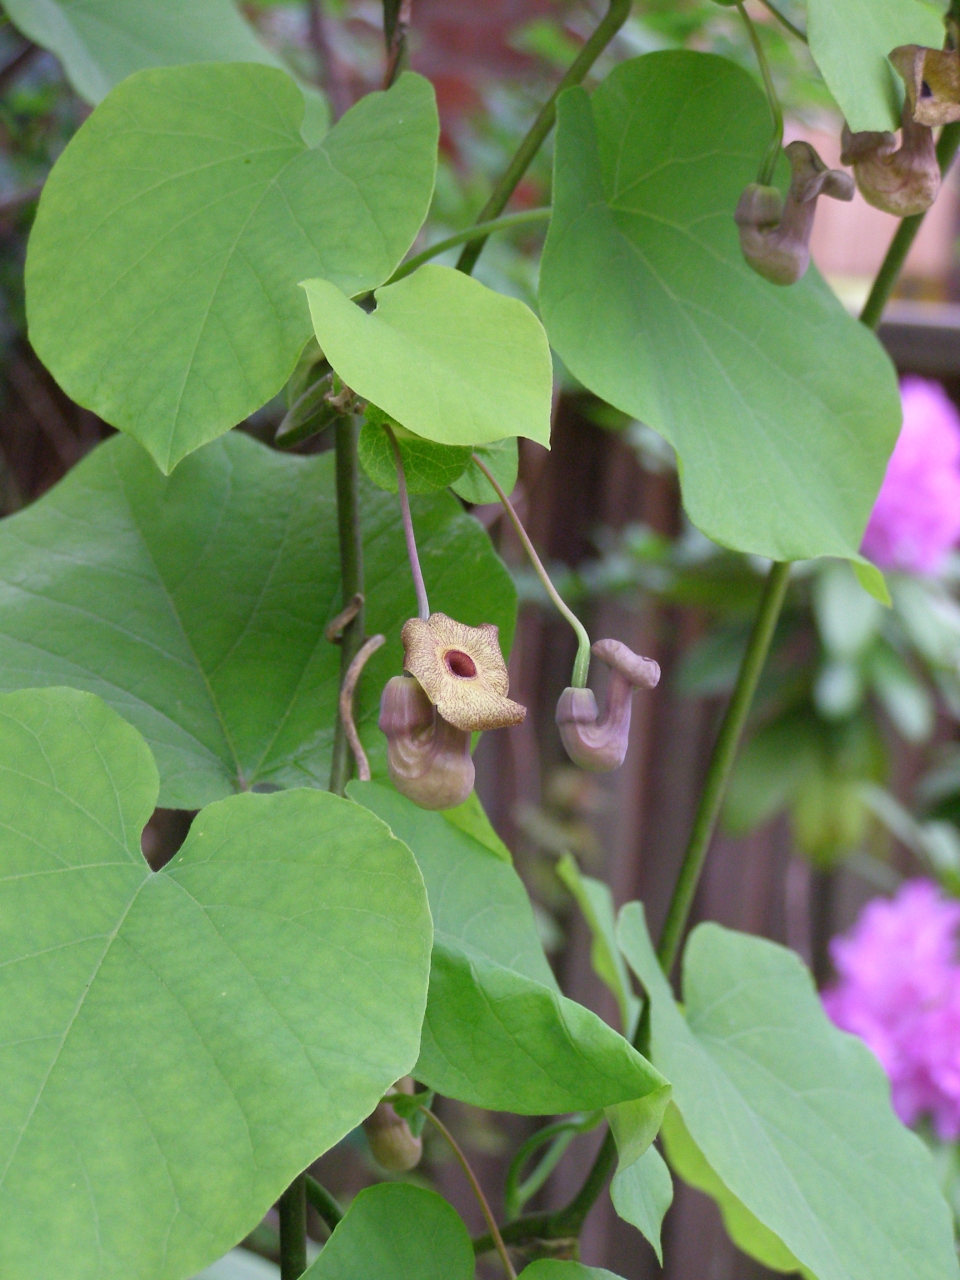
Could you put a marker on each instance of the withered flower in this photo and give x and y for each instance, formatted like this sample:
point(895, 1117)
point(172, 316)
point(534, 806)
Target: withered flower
point(428, 759)
point(600, 746)
point(392, 1144)
point(462, 672)
point(900, 180)
point(932, 80)
point(775, 233)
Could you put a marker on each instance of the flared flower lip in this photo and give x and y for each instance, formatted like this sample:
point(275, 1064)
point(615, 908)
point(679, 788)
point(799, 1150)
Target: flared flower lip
point(462, 671)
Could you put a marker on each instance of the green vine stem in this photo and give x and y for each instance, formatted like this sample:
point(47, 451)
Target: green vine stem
point(351, 576)
point(496, 1238)
point(423, 605)
point(324, 1203)
point(581, 667)
point(769, 165)
point(479, 231)
point(905, 235)
point(721, 762)
point(559, 1136)
point(292, 1208)
point(609, 25)
point(785, 21)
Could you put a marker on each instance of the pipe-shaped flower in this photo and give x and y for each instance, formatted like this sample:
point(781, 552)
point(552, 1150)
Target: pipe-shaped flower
point(428, 759)
point(462, 672)
point(775, 233)
point(932, 80)
point(596, 745)
point(900, 180)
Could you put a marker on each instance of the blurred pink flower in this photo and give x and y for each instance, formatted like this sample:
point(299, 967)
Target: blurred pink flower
point(916, 518)
point(899, 990)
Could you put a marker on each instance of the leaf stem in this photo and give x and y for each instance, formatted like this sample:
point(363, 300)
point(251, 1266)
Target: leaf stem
point(292, 1208)
point(609, 25)
point(721, 762)
point(785, 21)
point(904, 237)
point(351, 577)
point(559, 1135)
point(581, 666)
point(323, 1202)
point(423, 606)
point(769, 165)
point(479, 231)
point(477, 1191)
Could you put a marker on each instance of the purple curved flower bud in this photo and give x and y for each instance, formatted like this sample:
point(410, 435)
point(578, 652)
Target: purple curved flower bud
point(596, 745)
point(428, 758)
point(775, 233)
point(392, 1145)
point(903, 181)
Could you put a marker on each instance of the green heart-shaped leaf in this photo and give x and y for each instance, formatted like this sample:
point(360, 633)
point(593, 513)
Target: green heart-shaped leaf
point(782, 408)
point(163, 266)
point(850, 40)
point(153, 593)
point(427, 466)
point(397, 1232)
point(791, 1114)
point(746, 1231)
point(101, 42)
point(177, 1046)
point(447, 357)
point(498, 1033)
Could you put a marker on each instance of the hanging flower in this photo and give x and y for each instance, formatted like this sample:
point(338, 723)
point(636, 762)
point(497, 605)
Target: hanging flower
point(775, 233)
point(916, 518)
point(462, 671)
point(899, 991)
point(428, 759)
point(601, 745)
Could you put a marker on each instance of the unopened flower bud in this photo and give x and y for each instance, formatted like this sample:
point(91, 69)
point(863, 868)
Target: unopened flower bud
point(900, 180)
point(392, 1145)
point(596, 745)
point(428, 758)
point(775, 233)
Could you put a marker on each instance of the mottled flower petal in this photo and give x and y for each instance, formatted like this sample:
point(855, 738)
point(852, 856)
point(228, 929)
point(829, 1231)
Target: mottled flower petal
point(462, 671)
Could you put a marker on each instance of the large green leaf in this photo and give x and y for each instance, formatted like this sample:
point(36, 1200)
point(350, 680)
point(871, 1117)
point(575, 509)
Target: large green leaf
point(747, 1232)
point(177, 1045)
point(397, 1232)
point(196, 604)
point(497, 1032)
point(101, 42)
point(163, 267)
point(850, 40)
point(447, 357)
point(783, 410)
point(791, 1114)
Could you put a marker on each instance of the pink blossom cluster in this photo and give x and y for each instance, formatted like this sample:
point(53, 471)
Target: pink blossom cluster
point(899, 990)
point(916, 518)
